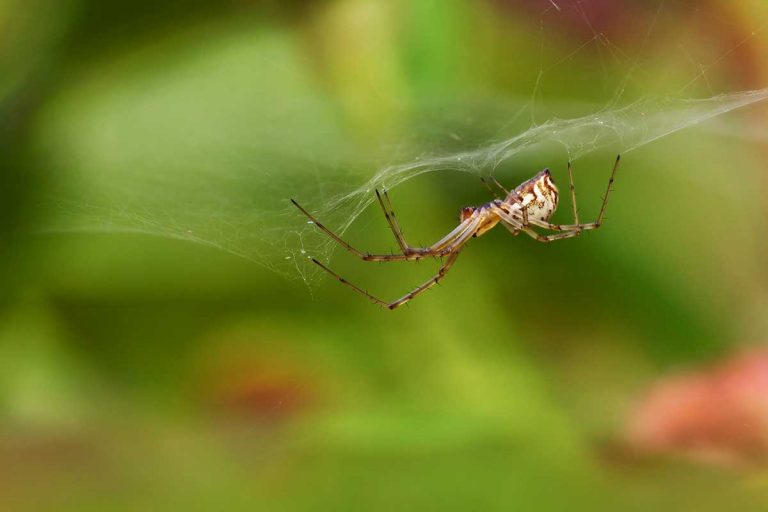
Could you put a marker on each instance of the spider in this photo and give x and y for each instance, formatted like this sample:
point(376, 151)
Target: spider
point(529, 205)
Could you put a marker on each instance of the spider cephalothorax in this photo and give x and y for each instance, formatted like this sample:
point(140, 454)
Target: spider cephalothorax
point(529, 205)
point(466, 213)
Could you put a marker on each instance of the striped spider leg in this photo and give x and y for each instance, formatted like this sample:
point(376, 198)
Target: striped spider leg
point(449, 246)
point(529, 205)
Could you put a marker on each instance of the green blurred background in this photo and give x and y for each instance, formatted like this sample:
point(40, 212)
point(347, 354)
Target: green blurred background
point(165, 346)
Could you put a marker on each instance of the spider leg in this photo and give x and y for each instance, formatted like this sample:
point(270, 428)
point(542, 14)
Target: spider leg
point(360, 254)
point(514, 225)
point(495, 182)
point(457, 237)
point(488, 187)
point(608, 190)
point(405, 298)
point(511, 219)
point(345, 282)
point(573, 194)
point(551, 238)
point(577, 226)
point(452, 252)
point(389, 213)
point(429, 284)
point(437, 249)
point(500, 185)
point(564, 227)
point(440, 248)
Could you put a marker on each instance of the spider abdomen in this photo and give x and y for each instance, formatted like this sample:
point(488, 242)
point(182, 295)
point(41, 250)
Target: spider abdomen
point(539, 196)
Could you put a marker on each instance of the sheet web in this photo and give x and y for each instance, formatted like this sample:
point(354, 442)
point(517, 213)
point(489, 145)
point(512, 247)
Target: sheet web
point(231, 192)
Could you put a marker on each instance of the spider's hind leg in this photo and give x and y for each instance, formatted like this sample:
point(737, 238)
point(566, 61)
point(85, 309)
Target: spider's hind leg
point(576, 227)
point(573, 194)
point(429, 284)
point(551, 238)
point(365, 256)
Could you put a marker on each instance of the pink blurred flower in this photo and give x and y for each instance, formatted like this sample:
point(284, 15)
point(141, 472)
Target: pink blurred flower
point(718, 415)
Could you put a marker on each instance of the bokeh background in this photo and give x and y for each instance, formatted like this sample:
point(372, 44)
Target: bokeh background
point(164, 344)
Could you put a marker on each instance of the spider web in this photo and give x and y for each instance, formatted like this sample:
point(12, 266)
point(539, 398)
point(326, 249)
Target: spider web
point(208, 151)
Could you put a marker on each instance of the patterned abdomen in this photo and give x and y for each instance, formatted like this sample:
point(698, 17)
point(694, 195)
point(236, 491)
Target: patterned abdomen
point(539, 195)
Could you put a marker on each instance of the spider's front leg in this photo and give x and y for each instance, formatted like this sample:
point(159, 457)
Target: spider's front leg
point(394, 225)
point(429, 284)
point(452, 255)
point(408, 296)
point(438, 249)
